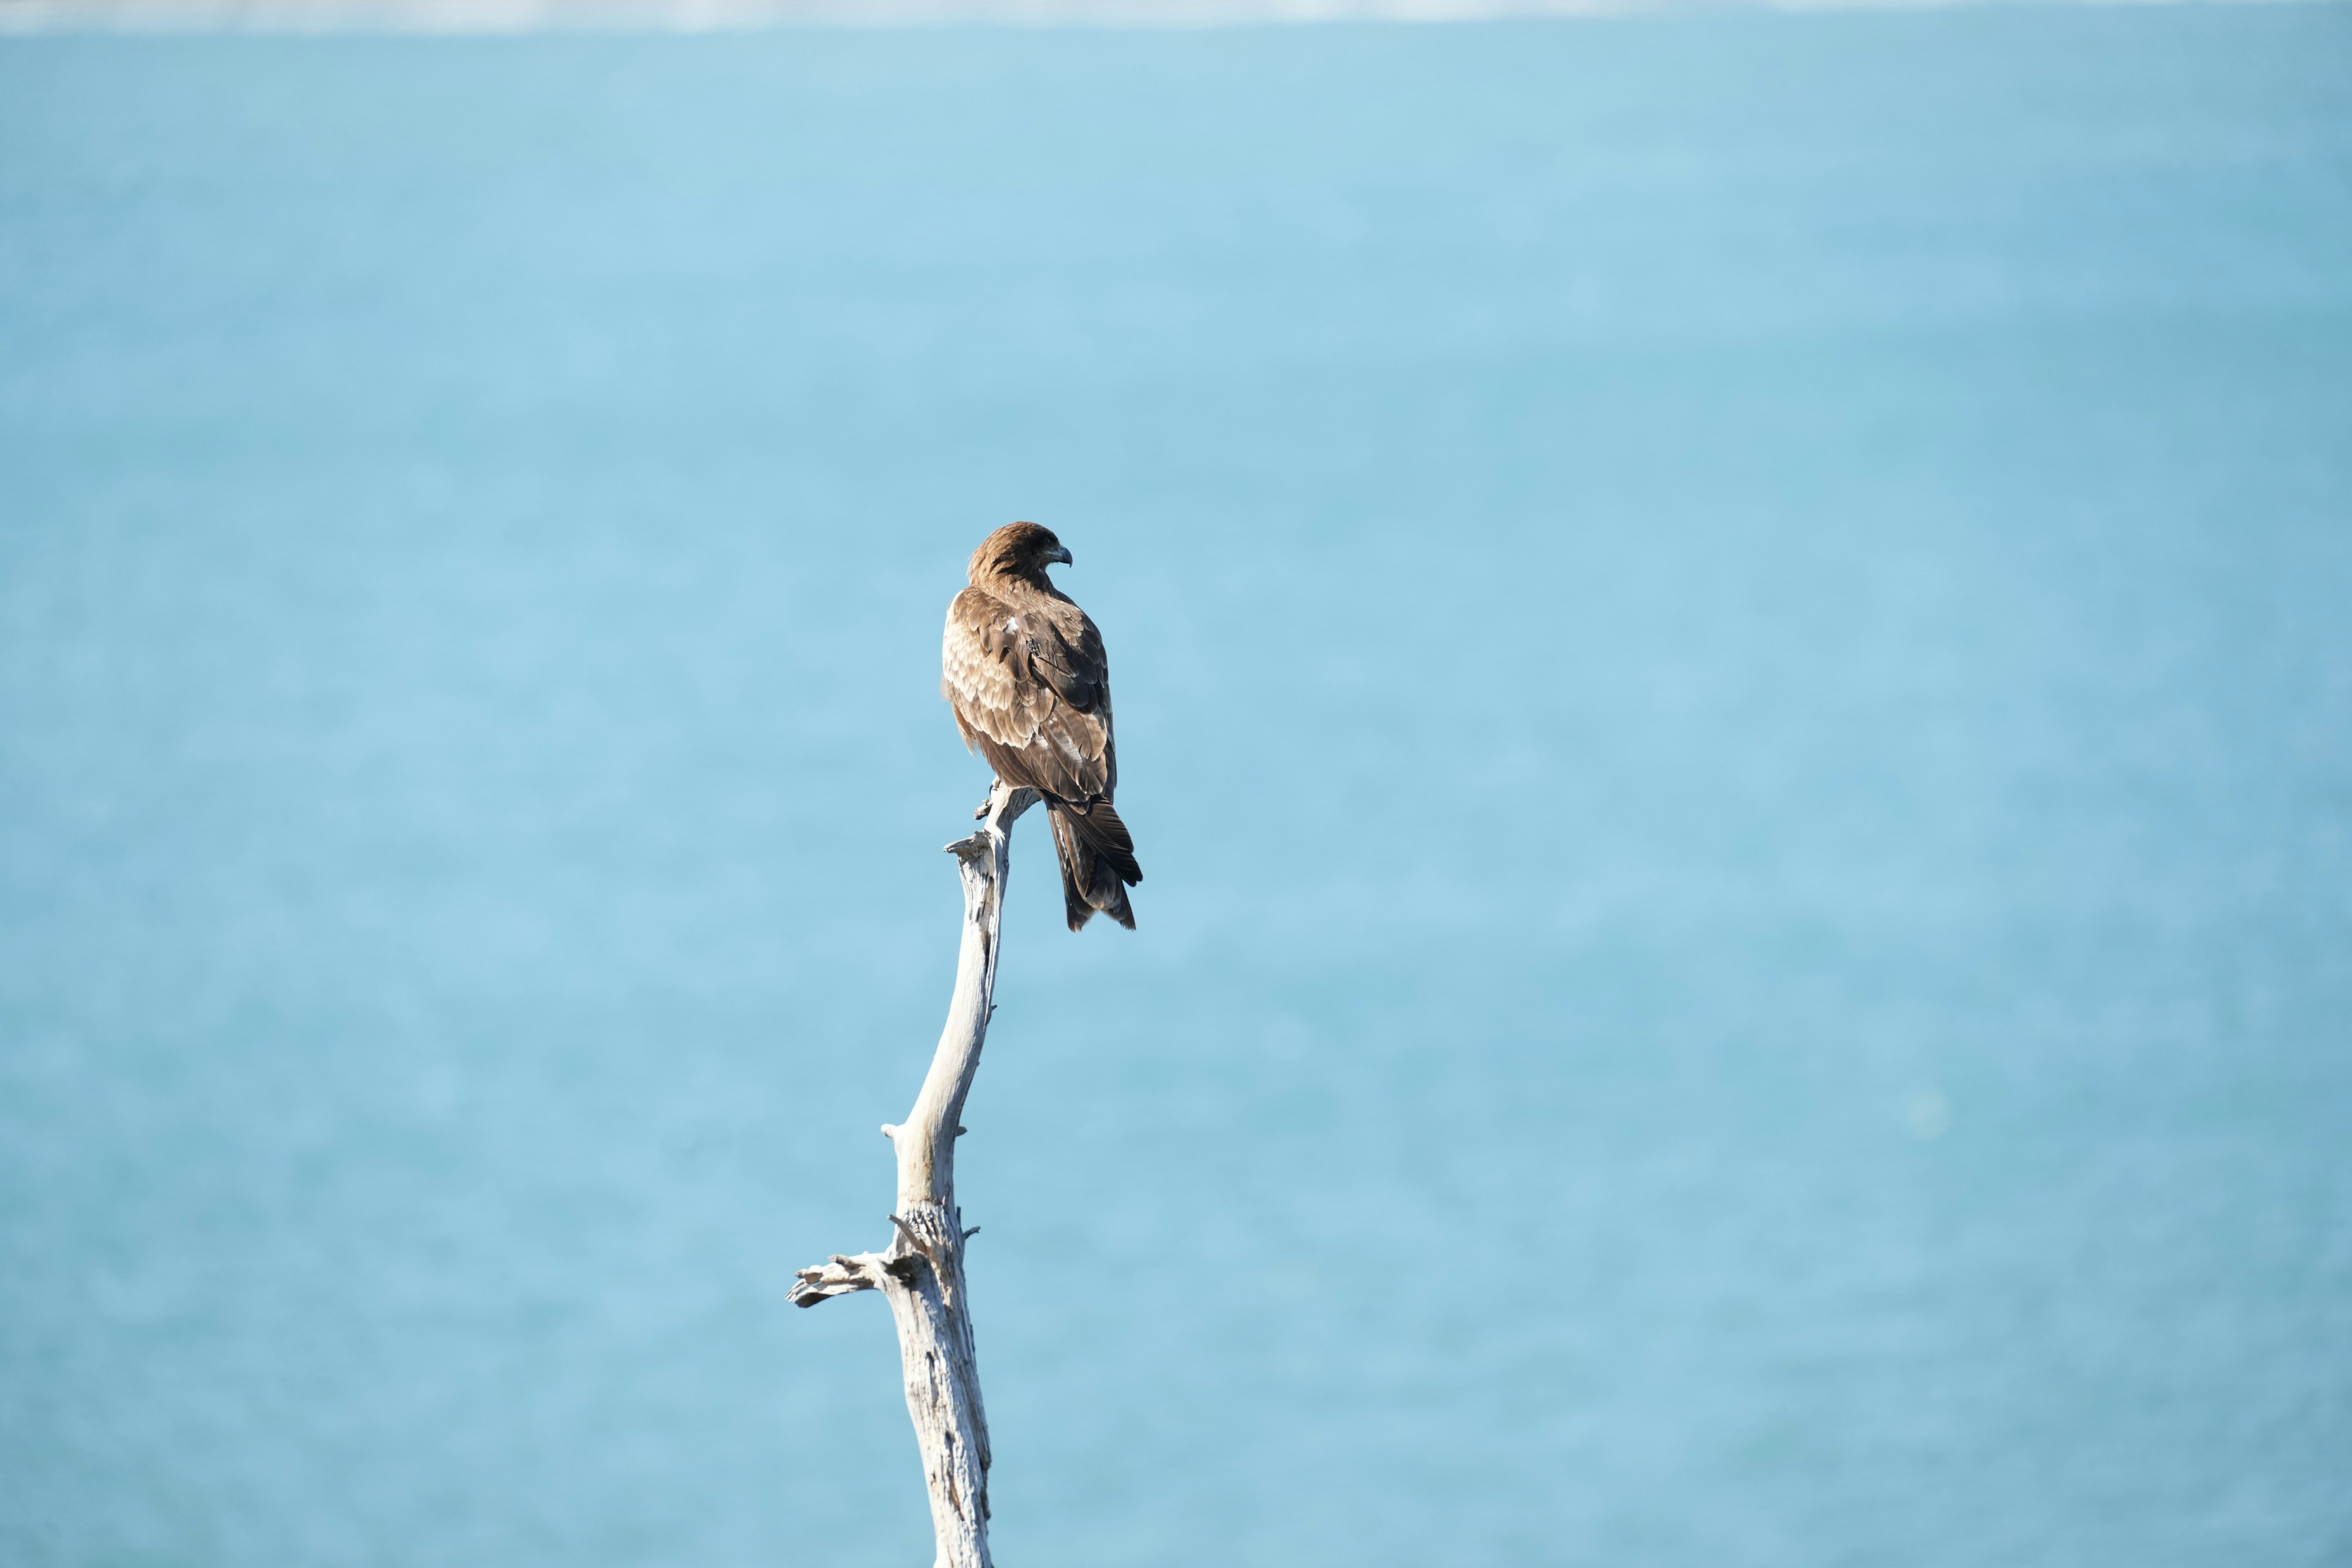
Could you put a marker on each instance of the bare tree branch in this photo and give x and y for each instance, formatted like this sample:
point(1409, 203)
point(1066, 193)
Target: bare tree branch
point(921, 1274)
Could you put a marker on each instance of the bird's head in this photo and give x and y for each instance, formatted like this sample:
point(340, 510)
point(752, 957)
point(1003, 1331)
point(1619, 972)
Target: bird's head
point(1018, 550)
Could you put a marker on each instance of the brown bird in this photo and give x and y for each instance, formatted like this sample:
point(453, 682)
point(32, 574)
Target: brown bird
point(1023, 669)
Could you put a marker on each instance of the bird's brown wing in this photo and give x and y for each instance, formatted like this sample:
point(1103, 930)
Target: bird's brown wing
point(1031, 692)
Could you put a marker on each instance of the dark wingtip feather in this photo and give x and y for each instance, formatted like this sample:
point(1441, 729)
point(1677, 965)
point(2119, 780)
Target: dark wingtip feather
point(1098, 827)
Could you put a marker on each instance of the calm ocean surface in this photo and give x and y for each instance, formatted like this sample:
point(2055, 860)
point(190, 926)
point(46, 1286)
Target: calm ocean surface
point(1733, 652)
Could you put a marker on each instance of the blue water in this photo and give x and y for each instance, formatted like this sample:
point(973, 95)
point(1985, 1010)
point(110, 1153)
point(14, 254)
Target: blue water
point(1735, 685)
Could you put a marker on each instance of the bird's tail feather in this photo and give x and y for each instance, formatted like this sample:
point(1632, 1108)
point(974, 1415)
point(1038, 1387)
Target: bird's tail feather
point(1098, 861)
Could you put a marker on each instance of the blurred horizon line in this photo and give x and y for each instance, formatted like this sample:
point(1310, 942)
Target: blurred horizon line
point(27, 17)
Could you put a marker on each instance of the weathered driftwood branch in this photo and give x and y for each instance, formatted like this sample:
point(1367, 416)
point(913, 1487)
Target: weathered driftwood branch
point(920, 1273)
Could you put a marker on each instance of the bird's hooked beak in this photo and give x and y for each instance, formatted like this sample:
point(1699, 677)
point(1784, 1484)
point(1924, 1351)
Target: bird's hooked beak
point(1062, 553)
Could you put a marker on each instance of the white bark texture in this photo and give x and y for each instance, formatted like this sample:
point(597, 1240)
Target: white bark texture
point(920, 1273)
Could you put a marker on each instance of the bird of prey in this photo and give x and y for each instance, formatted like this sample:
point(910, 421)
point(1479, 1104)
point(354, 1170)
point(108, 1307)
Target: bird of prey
point(1022, 667)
